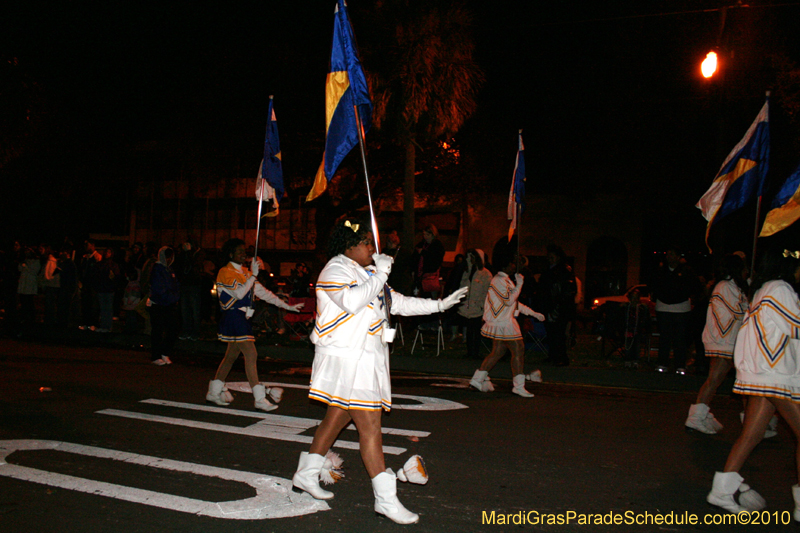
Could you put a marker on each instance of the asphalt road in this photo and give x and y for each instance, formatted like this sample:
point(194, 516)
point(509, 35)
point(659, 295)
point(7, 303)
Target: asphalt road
point(97, 440)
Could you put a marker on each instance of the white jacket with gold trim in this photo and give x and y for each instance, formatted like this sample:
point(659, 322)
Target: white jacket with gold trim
point(350, 306)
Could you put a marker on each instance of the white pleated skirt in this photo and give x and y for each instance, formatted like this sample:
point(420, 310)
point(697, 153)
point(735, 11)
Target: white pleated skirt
point(361, 383)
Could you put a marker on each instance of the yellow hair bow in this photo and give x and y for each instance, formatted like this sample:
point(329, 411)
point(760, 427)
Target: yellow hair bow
point(353, 227)
point(789, 253)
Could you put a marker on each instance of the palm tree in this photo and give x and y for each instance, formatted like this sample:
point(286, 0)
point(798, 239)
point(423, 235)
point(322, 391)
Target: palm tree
point(424, 81)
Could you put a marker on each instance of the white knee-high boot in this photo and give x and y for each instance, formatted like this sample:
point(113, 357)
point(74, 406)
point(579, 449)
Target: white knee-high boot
point(260, 397)
point(307, 476)
point(723, 488)
point(519, 386)
point(698, 419)
point(725, 485)
point(215, 392)
point(384, 486)
point(480, 380)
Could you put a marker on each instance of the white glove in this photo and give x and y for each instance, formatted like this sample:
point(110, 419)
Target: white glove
point(518, 278)
point(453, 299)
point(254, 267)
point(383, 263)
point(295, 308)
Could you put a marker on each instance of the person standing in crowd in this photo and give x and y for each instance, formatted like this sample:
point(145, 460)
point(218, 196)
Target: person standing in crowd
point(88, 285)
point(188, 267)
point(500, 325)
point(724, 316)
point(68, 285)
point(235, 288)
point(28, 286)
point(453, 282)
point(671, 289)
point(351, 360)
point(148, 261)
point(476, 278)
point(557, 292)
point(767, 360)
point(163, 306)
point(636, 329)
point(51, 282)
point(426, 261)
point(108, 279)
point(401, 278)
point(300, 281)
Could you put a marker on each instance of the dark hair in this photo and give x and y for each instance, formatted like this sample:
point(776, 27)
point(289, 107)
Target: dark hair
point(476, 258)
point(732, 266)
point(432, 229)
point(343, 237)
point(502, 259)
point(557, 251)
point(227, 249)
point(775, 265)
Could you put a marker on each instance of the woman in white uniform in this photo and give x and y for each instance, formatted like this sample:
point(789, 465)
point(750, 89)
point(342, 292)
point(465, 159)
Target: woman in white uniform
point(500, 325)
point(351, 360)
point(724, 317)
point(767, 359)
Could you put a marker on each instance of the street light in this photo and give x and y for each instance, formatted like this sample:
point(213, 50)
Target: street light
point(709, 65)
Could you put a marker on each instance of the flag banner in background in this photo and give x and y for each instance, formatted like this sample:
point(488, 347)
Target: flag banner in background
point(270, 172)
point(785, 208)
point(516, 197)
point(741, 177)
point(346, 87)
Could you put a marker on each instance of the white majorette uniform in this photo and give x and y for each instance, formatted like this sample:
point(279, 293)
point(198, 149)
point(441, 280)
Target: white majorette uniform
point(767, 348)
point(233, 289)
point(724, 317)
point(351, 361)
point(500, 309)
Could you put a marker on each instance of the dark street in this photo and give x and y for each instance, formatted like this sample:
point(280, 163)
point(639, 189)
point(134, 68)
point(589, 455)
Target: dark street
point(103, 440)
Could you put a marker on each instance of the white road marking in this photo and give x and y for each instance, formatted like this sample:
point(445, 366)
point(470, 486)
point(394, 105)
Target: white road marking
point(426, 403)
point(259, 429)
point(274, 497)
point(277, 420)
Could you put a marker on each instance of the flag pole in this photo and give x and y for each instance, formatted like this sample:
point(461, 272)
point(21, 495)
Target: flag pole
point(758, 216)
point(360, 127)
point(373, 221)
point(260, 203)
point(519, 210)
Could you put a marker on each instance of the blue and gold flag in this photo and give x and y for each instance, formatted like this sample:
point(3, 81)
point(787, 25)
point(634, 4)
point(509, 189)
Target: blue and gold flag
point(516, 197)
point(346, 87)
point(271, 169)
point(741, 177)
point(785, 209)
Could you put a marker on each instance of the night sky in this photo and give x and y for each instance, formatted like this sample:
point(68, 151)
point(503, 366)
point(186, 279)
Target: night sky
point(608, 94)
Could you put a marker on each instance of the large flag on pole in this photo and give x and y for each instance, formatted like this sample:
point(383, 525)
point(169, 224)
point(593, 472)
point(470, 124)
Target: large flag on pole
point(516, 197)
point(346, 87)
point(270, 173)
point(785, 206)
point(741, 176)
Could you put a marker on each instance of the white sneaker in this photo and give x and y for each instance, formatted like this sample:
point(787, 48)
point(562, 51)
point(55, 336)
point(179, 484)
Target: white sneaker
point(158, 362)
point(167, 360)
point(661, 368)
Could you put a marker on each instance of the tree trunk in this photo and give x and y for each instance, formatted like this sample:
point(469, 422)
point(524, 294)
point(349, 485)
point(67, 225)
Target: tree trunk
point(408, 197)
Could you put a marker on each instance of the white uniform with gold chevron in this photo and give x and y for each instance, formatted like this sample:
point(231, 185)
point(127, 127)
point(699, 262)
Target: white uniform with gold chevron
point(351, 362)
point(501, 305)
point(768, 344)
point(724, 317)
